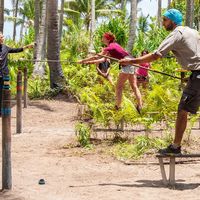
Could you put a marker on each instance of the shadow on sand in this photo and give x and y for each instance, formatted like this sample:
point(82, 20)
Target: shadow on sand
point(149, 184)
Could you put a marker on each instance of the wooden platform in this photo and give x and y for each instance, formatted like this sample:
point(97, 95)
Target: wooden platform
point(171, 181)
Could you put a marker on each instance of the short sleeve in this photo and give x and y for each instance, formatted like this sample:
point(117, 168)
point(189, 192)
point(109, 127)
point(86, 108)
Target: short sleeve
point(169, 43)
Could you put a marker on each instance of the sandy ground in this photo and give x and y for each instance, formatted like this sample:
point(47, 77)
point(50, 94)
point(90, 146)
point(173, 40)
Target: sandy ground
point(38, 153)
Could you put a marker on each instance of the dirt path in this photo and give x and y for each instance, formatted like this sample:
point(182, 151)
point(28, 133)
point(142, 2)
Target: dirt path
point(39, 153)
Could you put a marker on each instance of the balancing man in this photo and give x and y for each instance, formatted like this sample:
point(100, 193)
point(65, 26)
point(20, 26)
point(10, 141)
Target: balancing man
point(184, 42)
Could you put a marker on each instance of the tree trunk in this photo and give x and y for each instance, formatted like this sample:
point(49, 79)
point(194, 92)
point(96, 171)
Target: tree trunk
point(159, 21)
point(189, 13)
point(123, 4)
point(133, 22)
point(92, 29)
point(53, 45)
point(15, 19)
point(39, 67)
point(61, 18)
point(36, 24)
point(22, 28)
point(1, 15)
point(169, 4)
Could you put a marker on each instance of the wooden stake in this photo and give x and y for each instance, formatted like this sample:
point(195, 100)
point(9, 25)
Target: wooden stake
point(19, 103)
point(6, 135)
point(25, 87)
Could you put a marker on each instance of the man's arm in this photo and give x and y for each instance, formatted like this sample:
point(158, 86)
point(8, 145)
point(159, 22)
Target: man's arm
point(143, 59)
point(16, 50)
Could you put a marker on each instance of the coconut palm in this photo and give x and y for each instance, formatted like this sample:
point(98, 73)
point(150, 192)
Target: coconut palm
point(132, 26)
point(1, 15)
point(159, 21)
point(53, 45)
point(15, 13)
point(189, 13)
point(39, 67)
point(169, 4)
point(36, 22)
point(82, 9)
point(61, 18)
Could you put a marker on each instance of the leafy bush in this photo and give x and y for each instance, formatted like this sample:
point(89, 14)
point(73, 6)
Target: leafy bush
point(83, 134)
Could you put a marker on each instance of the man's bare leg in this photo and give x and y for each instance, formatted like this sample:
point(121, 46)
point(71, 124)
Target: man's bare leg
point(181, 124)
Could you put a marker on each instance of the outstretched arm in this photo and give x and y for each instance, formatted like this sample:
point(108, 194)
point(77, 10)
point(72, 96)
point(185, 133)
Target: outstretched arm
point(16, 50)
point(143, 59)
point(95, 61)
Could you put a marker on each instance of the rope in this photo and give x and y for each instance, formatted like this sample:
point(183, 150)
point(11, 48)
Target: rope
point(33, 60)
point(152, 70)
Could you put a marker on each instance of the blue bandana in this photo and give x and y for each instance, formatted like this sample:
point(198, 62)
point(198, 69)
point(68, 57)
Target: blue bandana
point(174, 15)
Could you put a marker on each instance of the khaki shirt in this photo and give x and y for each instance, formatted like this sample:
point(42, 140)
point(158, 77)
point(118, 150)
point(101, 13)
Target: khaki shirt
point(184, 42)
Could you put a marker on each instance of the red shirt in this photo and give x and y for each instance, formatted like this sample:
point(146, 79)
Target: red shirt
point(116, 51)
point(143, 72)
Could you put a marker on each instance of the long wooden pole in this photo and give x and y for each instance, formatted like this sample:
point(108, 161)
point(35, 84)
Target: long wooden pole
point(6, 135)
point(19, 103)
point(152, 70)
point(25, 87)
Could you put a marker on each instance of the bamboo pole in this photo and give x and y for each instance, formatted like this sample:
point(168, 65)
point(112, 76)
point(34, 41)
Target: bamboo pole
point(6, 135)
point(19, 103)
point(25, 87)
point(136, 65)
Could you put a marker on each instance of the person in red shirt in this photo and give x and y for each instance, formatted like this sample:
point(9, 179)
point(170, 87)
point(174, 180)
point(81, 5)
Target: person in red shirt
point(142, 74)
point(114, 50)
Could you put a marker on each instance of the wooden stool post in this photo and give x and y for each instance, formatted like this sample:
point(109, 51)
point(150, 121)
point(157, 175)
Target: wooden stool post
point(19, 102)
point(6, 135)
point(171, 181)
point(25, 87)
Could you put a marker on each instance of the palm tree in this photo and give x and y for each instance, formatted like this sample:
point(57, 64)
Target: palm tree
point(132, 27)
point(197, 14)
point(169, 4)
point(159, 21)
point(53, 45)
point(36, 23)
point(92, 29)
point(1, 15)
point(15, 12)
point(189, 13)
point(82, 9)
point(39, 67)
point(61, 18)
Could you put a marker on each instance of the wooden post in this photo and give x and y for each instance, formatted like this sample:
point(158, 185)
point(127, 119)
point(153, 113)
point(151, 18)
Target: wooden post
point(162, 169)
point(19, 102)
point(172, 171)
point(25, 87)
point(6, 135)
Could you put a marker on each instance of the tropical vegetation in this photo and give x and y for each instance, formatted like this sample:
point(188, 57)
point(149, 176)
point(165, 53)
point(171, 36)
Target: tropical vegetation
point(61, 33)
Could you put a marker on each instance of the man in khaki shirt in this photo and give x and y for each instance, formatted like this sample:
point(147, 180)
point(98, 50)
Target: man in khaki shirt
point(184, 42)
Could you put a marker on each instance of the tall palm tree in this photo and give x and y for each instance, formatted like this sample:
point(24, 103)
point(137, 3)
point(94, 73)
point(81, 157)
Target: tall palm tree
point(169, 4)
point(189, 13)
point(132, 26)
point(53, 45)
point(1, 15)
point(15, 12)
point(36, 23)
point(197, 14)
point(39, 67)
point(82, 9)
point(159, 21)
point(92, 29)
point(61, 18)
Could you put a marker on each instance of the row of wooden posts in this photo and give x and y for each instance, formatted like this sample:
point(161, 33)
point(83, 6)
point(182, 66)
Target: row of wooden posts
point(6, 123)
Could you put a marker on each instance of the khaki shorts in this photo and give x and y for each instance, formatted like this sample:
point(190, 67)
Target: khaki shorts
point(190, 100)
point(129, 69)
